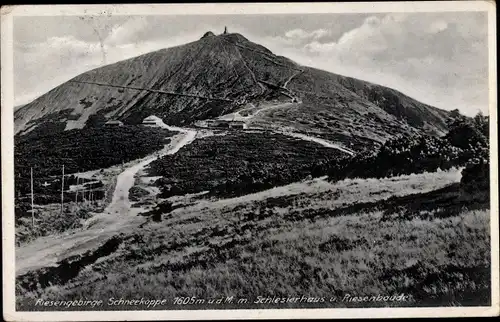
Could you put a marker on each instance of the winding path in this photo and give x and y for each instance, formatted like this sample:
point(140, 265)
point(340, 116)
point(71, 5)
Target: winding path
point(324, 143)
point(120, 202)
point(153, 90)
point(237, 116)
point(297, 73)
point(117, 217)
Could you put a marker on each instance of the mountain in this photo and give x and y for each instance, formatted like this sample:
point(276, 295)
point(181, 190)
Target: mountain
point(220, 74)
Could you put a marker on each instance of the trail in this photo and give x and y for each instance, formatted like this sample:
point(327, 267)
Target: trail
point(324, 143)
point(266, 56)
point(236, 116)
point(292, 77)
point(270, 107)
point(120, 202)
point(352, 188)
point(116, 218)
point(153, 91)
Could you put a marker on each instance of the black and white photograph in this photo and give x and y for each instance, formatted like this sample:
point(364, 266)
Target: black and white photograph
point(190, 161)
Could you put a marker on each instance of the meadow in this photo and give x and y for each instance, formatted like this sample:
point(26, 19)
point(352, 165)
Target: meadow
point(261, 215)
point(306, 239)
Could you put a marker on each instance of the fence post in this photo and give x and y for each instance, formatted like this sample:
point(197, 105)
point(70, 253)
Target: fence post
point(62, 190)
point(32, 203)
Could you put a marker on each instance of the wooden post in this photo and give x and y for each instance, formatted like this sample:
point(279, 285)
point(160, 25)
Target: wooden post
point(32, 207)
point(62, 189)
point(76, 192)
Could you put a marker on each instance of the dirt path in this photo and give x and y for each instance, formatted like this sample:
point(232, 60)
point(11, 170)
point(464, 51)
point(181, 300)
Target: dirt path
point(236, 116)
point(153, 90)
point(120, 203)
point(316, 193)
point(271, 107)
point(297, 73)
point(117, 217)
point(324, 143)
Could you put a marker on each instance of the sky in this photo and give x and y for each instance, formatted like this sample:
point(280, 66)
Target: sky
point(437, 58)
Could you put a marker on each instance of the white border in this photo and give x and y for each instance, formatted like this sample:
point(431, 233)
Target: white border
point(7, 131)
point(250, 8)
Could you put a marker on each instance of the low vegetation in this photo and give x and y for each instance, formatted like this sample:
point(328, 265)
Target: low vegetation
point(240, 163)
point(403, 220)
point(78, 151)
point(321, 243)
point(466, 144)
point(82, 150)
point(51, 221)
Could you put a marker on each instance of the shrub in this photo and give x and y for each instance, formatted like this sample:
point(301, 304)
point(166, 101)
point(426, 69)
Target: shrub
point(50, 221)
point(467, 132)
point(402, 155)
point(466, 142)
point(476, 176)
point(80, 150)
point(136, 193)
point(241, 163)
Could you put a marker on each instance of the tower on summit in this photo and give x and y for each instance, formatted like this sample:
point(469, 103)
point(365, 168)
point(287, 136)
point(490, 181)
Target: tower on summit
point(225, 30)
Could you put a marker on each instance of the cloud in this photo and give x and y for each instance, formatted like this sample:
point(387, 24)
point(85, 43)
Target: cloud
point(302, 34)
point(440, 59)
point(373, 36)
point(43, 65)
point(131, 31)
point(296, 33)
point(437, 26)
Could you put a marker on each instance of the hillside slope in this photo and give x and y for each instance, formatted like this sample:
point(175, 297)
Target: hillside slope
point(222, 74)
point(357, 113)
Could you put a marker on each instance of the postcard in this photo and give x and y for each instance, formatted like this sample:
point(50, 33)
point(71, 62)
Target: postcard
point(259, 160)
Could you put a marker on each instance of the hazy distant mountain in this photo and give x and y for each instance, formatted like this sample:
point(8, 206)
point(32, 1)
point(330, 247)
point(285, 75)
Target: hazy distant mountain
point(237, 71)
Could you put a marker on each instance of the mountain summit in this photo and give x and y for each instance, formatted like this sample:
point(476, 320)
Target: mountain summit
point(220, 74)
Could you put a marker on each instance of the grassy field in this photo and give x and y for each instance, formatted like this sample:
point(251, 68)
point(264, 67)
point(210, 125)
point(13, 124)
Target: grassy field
point(49, 220)
point(311, 239)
